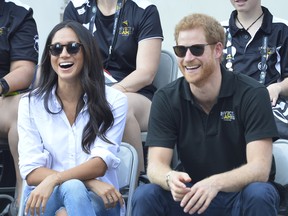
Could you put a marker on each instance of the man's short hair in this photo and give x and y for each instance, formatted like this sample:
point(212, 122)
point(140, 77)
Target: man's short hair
point(214, 32)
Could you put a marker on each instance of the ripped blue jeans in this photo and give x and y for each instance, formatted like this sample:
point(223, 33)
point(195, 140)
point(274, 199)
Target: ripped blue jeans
point(77, 200)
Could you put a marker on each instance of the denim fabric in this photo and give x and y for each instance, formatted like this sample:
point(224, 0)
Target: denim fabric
point(255, 199)
point(77, 200)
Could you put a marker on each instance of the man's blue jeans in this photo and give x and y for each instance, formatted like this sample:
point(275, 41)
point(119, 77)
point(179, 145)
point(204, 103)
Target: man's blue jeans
point(77, 200)
point(257, 199)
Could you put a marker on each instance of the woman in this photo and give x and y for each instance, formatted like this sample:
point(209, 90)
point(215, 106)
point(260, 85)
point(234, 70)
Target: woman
point(70, 129)
point(130, 36)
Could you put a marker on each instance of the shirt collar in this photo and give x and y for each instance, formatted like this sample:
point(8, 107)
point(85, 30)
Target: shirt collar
point(55, 103)
point(226, 90)
point(227, 84)
point(267, 21)
point(265, 27)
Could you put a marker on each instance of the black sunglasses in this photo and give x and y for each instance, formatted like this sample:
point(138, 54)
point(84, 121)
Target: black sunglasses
point(196, 50)
point(72, 48)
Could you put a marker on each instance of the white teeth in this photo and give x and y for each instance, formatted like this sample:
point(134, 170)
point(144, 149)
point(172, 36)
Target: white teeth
point(66, 64)
point(192, 67)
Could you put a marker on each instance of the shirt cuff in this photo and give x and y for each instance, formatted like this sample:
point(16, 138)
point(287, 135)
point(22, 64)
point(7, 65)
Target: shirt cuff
point(108, 157)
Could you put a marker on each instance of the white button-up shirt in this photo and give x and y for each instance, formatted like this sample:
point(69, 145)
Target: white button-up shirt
point(48, 140)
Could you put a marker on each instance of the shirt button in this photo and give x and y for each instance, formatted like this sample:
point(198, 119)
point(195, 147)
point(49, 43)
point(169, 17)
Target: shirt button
point(246, 36)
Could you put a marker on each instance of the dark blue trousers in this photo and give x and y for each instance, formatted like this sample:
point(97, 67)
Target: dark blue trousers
point(257, 199)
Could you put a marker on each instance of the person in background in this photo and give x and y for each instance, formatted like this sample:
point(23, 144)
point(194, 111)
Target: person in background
point(257, 45)
point(256, 41)
point(18, 57)
point(223, 139)
point(129, 34)
point(70, 129)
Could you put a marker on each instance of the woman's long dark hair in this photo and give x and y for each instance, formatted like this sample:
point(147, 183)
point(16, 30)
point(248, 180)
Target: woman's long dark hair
point(92, 81)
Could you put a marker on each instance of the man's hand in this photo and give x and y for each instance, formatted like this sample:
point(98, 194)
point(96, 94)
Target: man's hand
point(199, 196)
point(176, 182)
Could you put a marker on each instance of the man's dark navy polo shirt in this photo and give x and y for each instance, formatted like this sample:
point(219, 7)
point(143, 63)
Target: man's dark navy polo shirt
point(213, 143)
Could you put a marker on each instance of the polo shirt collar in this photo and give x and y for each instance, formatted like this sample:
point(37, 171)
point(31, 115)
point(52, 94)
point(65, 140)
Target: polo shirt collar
point(186, 91)
point(226, 90)
point(267, 21)
point(266, 24)
point(227, 84)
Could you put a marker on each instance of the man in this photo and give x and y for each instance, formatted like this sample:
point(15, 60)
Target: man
point(223, 126)
point(18, 57)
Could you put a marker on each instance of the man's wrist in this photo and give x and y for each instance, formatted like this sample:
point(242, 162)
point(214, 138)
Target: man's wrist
point(167, 178)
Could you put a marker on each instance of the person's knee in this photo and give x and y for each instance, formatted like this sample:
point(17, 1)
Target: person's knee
point(61, 212)
point(73, 184)
point(145, 194)
point(73, 188)
point(260, 193)
point(130, 115)
point(150, 199)
point(138, 108)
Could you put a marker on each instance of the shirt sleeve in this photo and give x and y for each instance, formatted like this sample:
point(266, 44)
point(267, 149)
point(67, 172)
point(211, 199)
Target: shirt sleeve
point(162, 125)
point(150, 24)
point(32, 154)
point(70, 12)
point(103, 149)
point(24, 39)
point(257, 115)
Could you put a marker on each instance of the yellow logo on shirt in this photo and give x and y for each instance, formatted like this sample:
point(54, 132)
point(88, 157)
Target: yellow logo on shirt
point(2, 31)
point(125, 30)
point(227, 115)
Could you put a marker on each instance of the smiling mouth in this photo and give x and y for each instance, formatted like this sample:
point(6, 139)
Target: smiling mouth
point(66, 65)
point(192, 67)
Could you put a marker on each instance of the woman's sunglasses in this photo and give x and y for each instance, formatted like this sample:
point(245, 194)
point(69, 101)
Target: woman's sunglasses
point(72, 48)
point(196, 50)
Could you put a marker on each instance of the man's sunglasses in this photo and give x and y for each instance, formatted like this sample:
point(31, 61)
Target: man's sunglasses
point(196, 50)
point(72, 48)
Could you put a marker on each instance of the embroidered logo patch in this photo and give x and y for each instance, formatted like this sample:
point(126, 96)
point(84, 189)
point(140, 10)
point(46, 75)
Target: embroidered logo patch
point(227, 115)
point(2, 31)
point(125, 30)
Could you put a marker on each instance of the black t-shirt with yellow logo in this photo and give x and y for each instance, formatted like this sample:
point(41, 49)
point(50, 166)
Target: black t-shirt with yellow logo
point(18, 35)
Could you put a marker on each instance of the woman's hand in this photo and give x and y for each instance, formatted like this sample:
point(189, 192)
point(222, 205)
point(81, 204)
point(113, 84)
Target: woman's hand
point(40, 195)
point(107, 192)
